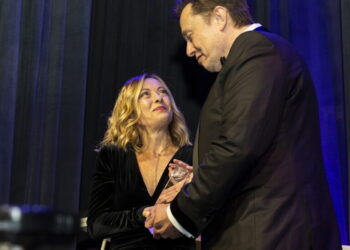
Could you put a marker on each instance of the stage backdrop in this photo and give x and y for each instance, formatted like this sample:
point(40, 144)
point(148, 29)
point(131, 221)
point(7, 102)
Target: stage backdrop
point(56, 92)
point(43, 70)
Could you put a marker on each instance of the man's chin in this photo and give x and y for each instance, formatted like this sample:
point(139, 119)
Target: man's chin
point(212, 68)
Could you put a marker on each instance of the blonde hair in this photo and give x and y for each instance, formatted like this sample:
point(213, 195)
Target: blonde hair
point(123, 129)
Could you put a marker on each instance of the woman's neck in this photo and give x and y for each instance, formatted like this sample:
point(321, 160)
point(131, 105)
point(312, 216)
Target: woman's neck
point(156, 141)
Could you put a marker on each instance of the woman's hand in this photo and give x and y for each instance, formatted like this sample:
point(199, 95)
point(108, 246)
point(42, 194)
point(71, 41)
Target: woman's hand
point(180, 164)
point(148, 213)
point(169, 194)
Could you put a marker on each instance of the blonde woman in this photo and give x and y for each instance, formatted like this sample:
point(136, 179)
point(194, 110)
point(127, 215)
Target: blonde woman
point(146, 131)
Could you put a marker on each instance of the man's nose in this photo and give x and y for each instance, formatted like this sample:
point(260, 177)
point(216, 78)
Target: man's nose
point(190, 50)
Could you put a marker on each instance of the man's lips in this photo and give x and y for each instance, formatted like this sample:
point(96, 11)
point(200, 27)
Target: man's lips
point(198, 58)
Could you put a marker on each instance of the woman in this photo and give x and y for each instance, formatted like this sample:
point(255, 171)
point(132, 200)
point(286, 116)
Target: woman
point(146, 131)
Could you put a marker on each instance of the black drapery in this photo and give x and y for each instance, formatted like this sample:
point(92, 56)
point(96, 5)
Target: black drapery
point(345, 7)
point(43, 71)
point(56, 92)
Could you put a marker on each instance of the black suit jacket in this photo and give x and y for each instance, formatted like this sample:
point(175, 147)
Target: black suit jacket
point(260, 181)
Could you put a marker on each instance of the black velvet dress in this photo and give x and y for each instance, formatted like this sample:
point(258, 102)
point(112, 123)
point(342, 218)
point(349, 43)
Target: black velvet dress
point(118, 198)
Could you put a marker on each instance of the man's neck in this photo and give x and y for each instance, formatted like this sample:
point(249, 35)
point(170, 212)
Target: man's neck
point(236, 32)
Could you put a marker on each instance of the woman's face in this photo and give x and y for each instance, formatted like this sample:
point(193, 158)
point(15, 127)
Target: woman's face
point(155, 105)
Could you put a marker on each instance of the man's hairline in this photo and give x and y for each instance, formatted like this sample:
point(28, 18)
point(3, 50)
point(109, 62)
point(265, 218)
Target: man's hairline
point(204, 14)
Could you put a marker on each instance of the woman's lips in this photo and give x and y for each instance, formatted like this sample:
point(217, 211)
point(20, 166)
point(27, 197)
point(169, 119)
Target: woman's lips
point(160, 108)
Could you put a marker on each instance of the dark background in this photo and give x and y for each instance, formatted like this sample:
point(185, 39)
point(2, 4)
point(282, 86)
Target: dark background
point(62, 63)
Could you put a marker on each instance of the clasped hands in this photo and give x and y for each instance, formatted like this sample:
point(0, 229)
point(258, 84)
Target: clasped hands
point(156, 216)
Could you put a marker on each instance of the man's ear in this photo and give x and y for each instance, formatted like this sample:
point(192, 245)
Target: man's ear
point(220, 17)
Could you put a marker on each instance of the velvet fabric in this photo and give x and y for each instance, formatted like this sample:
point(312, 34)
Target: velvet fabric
point(118, 198)
point(43, 69)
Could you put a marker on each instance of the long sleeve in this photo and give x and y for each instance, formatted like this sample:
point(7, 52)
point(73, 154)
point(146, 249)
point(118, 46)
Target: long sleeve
point(103, 220)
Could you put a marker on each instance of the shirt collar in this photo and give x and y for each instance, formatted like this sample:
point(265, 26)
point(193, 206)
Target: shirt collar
point(252, 27)
point(249, 28)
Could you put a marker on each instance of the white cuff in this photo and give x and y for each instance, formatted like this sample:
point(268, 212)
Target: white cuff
point(177, 224)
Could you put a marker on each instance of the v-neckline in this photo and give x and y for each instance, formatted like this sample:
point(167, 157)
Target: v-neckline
point(161, 179)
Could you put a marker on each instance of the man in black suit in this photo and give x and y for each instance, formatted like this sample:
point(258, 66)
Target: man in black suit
point(259, 181)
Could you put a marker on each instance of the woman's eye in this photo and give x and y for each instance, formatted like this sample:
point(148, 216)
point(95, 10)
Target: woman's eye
point(144, 94)
point(163, 91)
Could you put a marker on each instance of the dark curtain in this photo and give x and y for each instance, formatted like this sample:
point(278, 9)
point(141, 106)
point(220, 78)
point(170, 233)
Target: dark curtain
point(43, 71)
point(345, 7)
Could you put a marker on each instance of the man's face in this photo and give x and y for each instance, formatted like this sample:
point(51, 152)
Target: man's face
point(202, 39)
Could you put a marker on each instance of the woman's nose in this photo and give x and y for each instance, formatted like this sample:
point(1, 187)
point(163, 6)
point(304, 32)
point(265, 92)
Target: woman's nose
point(157, 97)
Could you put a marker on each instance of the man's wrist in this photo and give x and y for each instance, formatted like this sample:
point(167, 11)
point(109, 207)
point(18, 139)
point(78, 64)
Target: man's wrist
point(176, 224)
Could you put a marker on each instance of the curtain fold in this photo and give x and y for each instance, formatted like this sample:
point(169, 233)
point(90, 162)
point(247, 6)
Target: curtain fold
point(43, 59)
point(345, 20)
point(9, 54)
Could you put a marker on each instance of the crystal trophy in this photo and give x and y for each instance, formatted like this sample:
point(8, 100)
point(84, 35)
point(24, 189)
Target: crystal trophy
point(177, 175)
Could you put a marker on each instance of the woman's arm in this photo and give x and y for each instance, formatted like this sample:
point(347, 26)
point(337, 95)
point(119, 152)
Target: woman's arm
point(103, 220)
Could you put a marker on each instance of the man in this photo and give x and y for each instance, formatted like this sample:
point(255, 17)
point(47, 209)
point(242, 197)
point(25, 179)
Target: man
point(259, 181)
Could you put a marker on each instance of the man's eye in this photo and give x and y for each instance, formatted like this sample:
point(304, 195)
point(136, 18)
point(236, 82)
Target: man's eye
point(189, 37)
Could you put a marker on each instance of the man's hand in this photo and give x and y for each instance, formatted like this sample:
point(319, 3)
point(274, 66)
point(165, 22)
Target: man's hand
point(162, 226)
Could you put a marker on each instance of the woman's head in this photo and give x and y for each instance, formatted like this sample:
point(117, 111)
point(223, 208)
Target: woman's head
point(144, 102)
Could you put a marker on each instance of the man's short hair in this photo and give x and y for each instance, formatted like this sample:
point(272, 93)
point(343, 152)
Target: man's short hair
point(238, 9)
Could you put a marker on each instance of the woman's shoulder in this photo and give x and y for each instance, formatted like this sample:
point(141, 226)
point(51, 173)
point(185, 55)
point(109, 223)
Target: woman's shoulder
point(112, 157)
point(111, 150)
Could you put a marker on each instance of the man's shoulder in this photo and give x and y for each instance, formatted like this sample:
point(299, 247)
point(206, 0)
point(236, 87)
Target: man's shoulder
point(251, 44)
point(260, 38)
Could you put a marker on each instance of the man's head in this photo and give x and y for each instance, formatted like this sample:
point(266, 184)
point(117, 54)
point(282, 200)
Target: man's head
point(209, 28)
point(238, 9)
